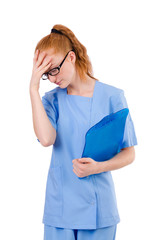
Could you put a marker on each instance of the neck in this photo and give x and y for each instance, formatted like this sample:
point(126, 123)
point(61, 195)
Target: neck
point(78, 87)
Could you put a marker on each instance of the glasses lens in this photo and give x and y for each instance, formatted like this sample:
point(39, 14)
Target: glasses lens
point(54, 71)
point(44, 76)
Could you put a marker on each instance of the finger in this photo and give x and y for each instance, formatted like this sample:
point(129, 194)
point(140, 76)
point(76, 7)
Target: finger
point(45, 69)
point(41, 58)
point(45, 65)
point(74, 172)
point(36, 55)
point(38, 58)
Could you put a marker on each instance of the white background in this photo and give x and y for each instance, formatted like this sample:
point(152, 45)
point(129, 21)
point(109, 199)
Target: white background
point(122, 40)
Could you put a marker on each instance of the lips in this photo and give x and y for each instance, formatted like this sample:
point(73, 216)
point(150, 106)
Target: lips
point(59, 82)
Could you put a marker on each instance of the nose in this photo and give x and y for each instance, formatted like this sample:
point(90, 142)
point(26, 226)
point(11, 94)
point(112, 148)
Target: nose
point(53, 79)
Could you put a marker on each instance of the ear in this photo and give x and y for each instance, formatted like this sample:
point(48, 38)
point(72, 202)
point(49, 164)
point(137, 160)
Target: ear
point(72, 57)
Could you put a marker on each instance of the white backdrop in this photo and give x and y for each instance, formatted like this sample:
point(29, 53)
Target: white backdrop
point(122, 40)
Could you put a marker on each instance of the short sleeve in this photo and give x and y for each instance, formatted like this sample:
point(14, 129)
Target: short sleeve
point(49, 101)
point(118, 102)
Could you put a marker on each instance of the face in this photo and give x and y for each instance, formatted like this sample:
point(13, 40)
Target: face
point(67, 70)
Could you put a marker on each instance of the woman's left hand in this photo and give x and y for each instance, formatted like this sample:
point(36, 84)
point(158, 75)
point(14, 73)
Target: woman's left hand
point(83, 167)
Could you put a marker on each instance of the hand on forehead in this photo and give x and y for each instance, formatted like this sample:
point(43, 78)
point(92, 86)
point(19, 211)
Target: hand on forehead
point(55, 57)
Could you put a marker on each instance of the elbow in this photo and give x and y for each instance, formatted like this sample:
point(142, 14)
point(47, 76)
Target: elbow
point(132, 155)
point(50, 142)
point(45, 143)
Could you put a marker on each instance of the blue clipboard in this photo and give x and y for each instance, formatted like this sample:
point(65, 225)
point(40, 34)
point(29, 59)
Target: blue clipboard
point(104, 139)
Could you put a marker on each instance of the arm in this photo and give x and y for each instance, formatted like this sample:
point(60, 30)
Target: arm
point(43, 128)
point(123, 158)
point(127, 153)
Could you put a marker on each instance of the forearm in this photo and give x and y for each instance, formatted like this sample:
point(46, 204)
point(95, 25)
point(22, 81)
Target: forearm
point(120, 160)
point(42, 126)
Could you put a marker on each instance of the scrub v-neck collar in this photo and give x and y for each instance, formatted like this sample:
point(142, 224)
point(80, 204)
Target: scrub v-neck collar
point(81, 97)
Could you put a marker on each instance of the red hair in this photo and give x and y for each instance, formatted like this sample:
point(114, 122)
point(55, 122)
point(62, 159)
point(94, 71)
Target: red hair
point(64, 43)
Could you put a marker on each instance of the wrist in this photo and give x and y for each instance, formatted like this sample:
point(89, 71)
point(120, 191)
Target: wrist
point(100, 167)
point(33, 89)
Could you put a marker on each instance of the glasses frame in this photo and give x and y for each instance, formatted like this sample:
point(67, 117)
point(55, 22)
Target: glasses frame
point(48, 73)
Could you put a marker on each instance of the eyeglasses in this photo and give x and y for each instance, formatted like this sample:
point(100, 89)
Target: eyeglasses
point(55, 70)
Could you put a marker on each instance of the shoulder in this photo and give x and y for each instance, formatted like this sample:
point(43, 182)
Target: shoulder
point(52, 94)
point(50, 98)
point(110, 90)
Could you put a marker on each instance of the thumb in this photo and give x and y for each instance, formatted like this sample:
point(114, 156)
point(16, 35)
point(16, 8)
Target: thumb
point(83, 160)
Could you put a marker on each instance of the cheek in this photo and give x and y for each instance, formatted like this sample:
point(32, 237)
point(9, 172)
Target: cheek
point(68, 70)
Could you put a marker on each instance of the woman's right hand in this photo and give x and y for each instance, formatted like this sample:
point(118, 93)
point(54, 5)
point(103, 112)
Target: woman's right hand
point(41, 63)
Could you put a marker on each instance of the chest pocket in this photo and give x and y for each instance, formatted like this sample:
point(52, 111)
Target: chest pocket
point(54, 192)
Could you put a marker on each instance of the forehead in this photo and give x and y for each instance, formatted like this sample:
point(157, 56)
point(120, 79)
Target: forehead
point(51, 52)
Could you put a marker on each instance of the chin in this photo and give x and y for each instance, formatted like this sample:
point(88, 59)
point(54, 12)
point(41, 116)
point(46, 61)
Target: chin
point(61, 85)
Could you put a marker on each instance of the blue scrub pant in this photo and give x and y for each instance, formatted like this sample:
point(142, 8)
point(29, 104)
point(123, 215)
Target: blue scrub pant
point(55, 233)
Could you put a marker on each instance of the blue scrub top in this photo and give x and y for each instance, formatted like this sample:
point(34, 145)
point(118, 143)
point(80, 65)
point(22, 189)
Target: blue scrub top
point(70, 201)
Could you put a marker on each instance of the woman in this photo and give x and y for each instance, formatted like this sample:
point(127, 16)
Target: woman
point(80, 201)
